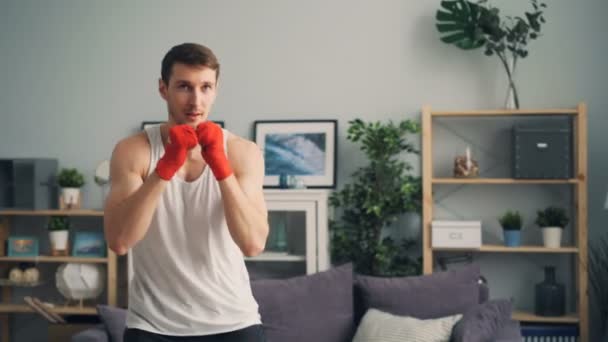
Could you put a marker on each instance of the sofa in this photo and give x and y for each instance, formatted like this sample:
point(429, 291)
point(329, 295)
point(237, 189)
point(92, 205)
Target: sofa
point(339, 306)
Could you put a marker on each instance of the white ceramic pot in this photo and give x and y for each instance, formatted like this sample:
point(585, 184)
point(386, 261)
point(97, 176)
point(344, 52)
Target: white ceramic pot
point(70, 195)
point(552, 237)
point(59, 239)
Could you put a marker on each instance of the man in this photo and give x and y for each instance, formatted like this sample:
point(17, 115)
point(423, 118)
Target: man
point(186, 197)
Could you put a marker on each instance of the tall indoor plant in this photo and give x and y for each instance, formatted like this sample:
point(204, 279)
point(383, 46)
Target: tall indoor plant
point(598, 279)
point(471, 25)
point(380, 193)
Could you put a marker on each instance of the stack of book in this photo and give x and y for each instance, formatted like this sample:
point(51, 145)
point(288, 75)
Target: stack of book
point(549, 332)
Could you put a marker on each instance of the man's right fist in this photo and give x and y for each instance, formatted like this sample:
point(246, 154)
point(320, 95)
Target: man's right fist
point(181, 139)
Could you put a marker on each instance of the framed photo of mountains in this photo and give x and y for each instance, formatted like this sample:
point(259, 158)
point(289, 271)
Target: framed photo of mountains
point(305, 149)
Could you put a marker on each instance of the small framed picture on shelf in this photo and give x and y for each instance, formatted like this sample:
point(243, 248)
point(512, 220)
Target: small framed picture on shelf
point(89, 244)
point(152, 123)
point(22, 246)
point(305, 149)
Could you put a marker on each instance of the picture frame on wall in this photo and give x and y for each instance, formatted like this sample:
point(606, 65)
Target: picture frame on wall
point(305, 149)
point(145, 124)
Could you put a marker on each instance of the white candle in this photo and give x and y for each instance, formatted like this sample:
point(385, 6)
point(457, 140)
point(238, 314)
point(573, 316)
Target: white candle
point(468, 158)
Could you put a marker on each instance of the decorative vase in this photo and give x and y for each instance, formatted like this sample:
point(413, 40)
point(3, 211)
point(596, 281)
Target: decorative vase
point(512, 98)
point(512, 237)
point(552, 237)
point(550, 295)
point(277, 239)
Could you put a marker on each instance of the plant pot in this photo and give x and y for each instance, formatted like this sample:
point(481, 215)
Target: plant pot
point(70, 198)
point(512, 237)
point(552, 237)
point(59, 242)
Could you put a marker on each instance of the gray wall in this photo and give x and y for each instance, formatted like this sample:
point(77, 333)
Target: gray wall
point(79, 75)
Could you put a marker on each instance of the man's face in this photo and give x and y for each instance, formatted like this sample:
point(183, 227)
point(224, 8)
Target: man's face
point(190, 93)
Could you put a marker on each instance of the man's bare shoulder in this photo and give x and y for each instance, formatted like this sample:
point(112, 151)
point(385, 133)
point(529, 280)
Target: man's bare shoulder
point(133, 152)
point(241, 151)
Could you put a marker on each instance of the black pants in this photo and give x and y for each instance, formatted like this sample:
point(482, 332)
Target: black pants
point(254, 333)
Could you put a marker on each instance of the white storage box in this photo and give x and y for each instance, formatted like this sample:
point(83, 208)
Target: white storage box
point(456, 234)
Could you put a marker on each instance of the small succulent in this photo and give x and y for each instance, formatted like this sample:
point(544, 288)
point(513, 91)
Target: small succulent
point(511, 220)
point(552, 217)
point(59, 223)
point(70, 178)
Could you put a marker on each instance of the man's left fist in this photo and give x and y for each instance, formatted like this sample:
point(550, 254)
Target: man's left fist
point(211, 138)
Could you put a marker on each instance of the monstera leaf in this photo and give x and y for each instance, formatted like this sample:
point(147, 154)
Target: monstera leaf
point(459, 22)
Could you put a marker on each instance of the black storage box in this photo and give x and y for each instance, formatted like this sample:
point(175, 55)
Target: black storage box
point(542, 152)
point(28, 183)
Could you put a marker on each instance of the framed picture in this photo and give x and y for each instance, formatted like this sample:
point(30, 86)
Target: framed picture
point(22, 246)
point(302, 148)
point(89, 244)
point(145, 124)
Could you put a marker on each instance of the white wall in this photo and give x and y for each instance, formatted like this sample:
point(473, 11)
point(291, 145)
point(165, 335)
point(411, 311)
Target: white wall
point(79, 75)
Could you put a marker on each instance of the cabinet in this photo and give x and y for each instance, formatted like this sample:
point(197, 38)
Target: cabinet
point(574, 250)
point(27, 183)
point(298, 238)
point(10, 306)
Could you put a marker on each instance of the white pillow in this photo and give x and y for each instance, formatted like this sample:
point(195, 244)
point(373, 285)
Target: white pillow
point(378, 326)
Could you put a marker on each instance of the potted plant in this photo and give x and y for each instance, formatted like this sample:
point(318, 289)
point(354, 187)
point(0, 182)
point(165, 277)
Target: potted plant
point(70, 181)
point(552, 221)
point(511, 226)
point(380, 193)
point(470, 25)
point(59, 227)
point(598, 280)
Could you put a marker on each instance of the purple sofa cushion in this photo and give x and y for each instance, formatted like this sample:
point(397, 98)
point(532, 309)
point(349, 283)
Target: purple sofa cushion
point(316, 307)
point(483, 322)
point(115, 321)
point(436, 295)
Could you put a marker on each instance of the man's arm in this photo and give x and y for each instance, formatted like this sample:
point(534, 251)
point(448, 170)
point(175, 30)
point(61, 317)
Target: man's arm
point(243, 197)
point(131, 201)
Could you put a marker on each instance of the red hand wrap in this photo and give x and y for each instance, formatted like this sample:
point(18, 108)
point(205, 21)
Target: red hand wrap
point(211, 137)
point(182, 138)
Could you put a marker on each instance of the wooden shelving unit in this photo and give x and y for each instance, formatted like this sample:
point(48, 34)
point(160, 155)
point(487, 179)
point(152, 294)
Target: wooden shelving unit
point(505, 249)
point(62, 310)
point(530, 317)
point(579, 182)
point(7, 308)
point(506, 181)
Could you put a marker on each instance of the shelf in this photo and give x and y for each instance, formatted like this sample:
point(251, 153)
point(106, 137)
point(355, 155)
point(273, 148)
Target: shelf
point(506, 112)
point(44, 258)
point(505, 249)
point(277, 256)
point(482, 180)
point(10, 283)
point(53, 212)
point(24, 308)
point(523, 316)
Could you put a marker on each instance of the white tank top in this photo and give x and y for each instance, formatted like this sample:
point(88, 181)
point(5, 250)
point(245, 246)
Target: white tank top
point(189, 276)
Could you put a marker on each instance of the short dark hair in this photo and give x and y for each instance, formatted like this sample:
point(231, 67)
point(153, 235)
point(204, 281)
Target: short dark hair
point(190, 54)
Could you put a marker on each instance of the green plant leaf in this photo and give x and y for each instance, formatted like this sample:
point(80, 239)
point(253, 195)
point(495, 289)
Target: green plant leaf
point(450, 27)
point(459, 24)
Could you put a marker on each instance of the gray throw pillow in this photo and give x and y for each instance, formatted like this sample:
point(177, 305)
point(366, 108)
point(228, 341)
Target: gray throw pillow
point(483, 322)
point(317, 307)
point(115, 321)
point(436, 295)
